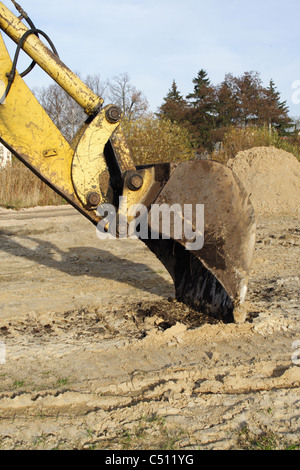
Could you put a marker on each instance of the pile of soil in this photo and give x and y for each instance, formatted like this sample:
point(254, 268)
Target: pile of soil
point(272, 179)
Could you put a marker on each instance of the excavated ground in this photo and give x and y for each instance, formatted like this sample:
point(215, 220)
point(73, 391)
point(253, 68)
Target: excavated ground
point(96, 354)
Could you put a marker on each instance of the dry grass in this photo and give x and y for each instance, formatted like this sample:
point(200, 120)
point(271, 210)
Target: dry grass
point(20, 188)
point(151, 141)
point(237, 139)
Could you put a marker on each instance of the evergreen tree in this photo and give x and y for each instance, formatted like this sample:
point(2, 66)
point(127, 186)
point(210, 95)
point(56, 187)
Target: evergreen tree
point(276, 111)
point(201, 86)
point(249, 93)
point(201, 109)
point(174, 94)
point(174, 106)
point(237, 101)
point(226, 103)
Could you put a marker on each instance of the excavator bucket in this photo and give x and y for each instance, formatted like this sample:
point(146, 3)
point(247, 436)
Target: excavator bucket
point(199, 220)
point(212, 276)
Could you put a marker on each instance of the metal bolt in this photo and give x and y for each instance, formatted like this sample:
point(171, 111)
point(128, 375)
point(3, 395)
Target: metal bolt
point(122, 230)
point(93, 199)
point(113, 114)
point(135, 182)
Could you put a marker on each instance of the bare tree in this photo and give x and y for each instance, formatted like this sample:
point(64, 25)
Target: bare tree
point(66, 114)
point(122, 93)
point(97, 85)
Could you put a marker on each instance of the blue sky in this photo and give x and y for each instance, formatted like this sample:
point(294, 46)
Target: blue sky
point(156, 41)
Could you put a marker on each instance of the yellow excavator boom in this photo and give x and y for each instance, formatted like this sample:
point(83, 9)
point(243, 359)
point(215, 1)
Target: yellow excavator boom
point(96, 169)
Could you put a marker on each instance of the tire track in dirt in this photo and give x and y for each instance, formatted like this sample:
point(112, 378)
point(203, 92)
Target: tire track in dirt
point(95, 361)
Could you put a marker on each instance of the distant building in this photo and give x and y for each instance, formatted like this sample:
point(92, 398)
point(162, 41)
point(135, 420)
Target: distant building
point(5, 156)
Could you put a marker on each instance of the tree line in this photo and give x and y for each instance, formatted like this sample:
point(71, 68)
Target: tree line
point(209, 110)
point(196, 122)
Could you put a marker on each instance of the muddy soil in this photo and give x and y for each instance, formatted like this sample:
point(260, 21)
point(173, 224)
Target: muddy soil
point(96, 354)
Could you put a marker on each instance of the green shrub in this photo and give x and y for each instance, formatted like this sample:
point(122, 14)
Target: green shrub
point(153, 140)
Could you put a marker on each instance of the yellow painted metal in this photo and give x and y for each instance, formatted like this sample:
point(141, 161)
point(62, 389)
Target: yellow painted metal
point(121, 150)
point(49, 62)
point(2, 88)
point(31, 135)
point(89, 162)
point(74, 170)
point(29, 132)
point(130, 199)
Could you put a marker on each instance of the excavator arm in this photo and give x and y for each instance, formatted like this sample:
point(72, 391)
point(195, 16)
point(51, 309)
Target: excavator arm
point(97, 169)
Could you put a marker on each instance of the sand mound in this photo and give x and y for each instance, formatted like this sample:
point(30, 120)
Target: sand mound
point(272, 178)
